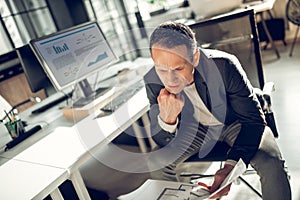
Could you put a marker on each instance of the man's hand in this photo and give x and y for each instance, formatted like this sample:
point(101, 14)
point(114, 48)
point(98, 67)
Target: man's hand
point(219, 178)
point(170, 105)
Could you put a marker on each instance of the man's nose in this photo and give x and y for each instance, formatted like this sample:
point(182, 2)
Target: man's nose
point(172, 75)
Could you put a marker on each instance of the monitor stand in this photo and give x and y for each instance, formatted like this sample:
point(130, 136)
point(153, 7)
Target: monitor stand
point(88, 94)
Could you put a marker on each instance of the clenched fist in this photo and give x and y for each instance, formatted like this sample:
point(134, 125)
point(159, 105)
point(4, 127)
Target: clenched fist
point(170, 105)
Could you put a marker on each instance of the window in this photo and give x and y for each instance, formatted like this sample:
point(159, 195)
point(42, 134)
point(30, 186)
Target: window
point(113, 19)
point(24, 20)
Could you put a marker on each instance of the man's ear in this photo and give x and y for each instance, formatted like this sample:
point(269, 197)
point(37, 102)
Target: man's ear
point(196, 58)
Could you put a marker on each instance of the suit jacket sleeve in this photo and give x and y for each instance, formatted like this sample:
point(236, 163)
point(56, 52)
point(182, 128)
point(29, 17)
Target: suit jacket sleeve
point(243, 106)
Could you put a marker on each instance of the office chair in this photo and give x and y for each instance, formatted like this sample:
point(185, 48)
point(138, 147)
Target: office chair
point(225, 33)
point(293, 15)
point(237, 41)
point(219, 151)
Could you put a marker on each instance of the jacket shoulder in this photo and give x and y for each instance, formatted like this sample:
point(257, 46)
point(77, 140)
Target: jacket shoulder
point(223, 60)
point(214, 53)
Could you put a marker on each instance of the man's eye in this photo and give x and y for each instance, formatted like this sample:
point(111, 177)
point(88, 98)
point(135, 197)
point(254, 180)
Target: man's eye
point(179, 69)
point(164, 70)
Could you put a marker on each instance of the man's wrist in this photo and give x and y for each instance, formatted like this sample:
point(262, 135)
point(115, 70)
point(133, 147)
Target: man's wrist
point(171, 128)
point(168, 121)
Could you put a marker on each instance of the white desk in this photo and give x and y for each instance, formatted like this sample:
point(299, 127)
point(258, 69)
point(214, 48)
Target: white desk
point(61, 151)
point(23, 180)
point(69, 147)
point(260, 8)
point(48, 120)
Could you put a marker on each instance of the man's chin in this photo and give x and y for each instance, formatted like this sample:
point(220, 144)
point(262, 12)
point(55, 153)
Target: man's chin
point(174, 90)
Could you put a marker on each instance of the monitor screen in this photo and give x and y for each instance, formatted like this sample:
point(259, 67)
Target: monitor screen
point(71, 55)
point(34, 72)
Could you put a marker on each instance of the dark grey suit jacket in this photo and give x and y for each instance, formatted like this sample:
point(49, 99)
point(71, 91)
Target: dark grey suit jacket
point(225, 90)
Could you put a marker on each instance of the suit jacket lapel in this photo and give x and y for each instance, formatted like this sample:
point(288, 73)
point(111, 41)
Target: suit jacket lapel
point(210, 85)
point(202, 90)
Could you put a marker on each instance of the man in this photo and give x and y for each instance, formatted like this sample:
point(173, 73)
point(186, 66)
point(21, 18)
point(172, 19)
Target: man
point(199, 97)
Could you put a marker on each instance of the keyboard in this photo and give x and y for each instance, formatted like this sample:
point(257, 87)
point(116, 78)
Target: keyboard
point(123, 97)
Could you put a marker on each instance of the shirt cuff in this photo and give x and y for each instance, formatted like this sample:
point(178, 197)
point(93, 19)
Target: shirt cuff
point(167, 127)
point(231, 162)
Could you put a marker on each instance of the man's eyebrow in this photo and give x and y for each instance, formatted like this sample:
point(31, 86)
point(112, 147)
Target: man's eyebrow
point(160, 66)
point(166, 67)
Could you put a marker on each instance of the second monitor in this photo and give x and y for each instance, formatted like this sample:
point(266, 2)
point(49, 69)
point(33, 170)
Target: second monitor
point(37, 78)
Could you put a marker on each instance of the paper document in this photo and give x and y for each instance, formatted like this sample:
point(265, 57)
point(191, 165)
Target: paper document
point(169, 190)
point(237, 171)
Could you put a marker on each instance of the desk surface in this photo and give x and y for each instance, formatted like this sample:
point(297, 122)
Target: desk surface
point(48, 120)
point(260, 6)
point(69, 147)
point(54, 118)
point(16, 175)
point(61, 150)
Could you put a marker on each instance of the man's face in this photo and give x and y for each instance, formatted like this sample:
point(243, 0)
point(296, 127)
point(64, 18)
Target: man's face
point(173, 67)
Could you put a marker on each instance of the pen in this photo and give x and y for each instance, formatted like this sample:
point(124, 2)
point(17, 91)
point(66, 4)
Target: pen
point(12, 118)
point(7, 115)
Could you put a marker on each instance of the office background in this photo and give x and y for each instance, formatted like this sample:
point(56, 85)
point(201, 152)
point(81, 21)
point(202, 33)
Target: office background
point(126, 25)
point(122, 23)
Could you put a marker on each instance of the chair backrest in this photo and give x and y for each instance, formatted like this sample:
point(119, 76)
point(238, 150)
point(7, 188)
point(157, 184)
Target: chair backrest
point(236, 34)
point(293, 11)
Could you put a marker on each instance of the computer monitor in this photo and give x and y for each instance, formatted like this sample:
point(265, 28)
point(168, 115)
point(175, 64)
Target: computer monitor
point(34, 72)
point(72, 55)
